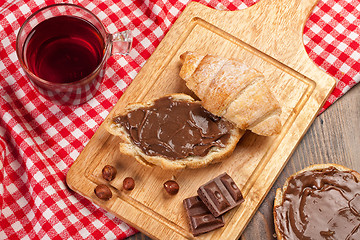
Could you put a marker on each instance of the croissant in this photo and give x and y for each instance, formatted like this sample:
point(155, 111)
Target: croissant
point(233, 90)
point(127, 146)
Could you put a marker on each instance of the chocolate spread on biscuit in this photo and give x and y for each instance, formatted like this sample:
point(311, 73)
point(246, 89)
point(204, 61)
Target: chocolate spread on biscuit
point(175, 129)
point(320, 205)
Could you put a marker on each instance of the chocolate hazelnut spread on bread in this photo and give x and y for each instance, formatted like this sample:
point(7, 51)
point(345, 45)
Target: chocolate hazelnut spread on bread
point(175, 128)
point(320, 204)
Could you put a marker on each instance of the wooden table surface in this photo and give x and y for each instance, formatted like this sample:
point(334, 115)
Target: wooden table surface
point(334, 137)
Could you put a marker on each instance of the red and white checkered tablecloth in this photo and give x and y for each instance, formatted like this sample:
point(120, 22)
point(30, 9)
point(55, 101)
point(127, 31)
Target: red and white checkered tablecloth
point(39, 140)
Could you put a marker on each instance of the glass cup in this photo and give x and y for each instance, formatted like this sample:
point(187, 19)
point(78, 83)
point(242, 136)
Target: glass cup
point(63, 49)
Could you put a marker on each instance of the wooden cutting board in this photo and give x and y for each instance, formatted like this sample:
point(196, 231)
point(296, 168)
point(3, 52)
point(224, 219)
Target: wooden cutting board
point(267, 36)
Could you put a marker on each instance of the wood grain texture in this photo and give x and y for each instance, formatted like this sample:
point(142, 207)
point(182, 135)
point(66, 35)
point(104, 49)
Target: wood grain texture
point(270, 43)
point(333, 138)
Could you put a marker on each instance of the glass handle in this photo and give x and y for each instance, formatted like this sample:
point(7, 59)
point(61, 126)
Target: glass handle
point(121, 43)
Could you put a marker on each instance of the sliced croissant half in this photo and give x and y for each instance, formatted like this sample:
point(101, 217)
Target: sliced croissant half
point(231, 89)
point(131, 147)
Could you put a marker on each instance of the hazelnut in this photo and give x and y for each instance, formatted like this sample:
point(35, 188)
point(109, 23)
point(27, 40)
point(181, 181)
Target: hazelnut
point(109, 172)
point(171, 187)
point(128, 183)
point(103, 192)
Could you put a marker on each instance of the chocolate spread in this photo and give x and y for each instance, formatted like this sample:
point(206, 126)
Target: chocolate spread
point(175, 129)
point(321, 205)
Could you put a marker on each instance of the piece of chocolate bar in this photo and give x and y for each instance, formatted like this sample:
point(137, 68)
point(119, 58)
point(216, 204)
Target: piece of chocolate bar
point(200, 218)
point(220, 194)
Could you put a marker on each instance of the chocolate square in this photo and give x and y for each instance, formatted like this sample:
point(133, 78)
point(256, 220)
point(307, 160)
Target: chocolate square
point(200, 218)
point(220, 194)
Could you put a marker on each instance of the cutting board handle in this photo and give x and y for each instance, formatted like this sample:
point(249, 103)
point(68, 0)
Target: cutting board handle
point(278, 23)
point(271, 28)
point(280, 12)
point(283, 13)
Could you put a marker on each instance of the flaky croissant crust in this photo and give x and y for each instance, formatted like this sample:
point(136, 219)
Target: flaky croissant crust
point(231, 89)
